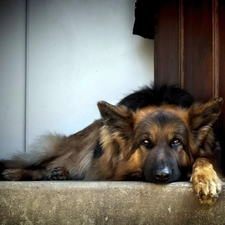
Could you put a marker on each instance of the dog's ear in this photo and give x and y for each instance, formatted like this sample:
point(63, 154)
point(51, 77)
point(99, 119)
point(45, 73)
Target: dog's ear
point(117, 117)
point(202, 118)
point(118, 120)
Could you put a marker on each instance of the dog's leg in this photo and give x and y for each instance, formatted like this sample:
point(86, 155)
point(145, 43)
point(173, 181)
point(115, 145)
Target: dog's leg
point(206, 183)
point(58, 173)
point(21, 174)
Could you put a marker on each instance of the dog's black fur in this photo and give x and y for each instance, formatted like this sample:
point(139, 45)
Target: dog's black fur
point(157, 95)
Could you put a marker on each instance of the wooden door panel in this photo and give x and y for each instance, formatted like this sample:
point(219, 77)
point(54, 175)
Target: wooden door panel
point(198, 61)
point(189, 46)
point(167, 43)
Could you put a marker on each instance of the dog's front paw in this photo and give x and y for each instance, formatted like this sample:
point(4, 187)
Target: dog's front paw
point(58, 174)
point(12, 174)
point(206, 184)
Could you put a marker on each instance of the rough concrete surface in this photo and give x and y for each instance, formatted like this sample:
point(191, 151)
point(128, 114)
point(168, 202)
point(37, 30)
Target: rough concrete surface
point(67, 202)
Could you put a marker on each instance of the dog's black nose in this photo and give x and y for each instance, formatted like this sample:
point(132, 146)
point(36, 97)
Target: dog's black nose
point(162, 175)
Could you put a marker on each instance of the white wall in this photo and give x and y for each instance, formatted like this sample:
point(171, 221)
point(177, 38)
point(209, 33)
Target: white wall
point(12, 79)
point(79, 52)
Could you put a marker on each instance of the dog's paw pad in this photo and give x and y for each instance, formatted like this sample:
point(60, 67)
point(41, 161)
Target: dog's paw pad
point(58, 173)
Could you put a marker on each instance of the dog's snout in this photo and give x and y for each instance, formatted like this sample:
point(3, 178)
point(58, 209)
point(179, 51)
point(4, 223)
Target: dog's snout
point(162, 175)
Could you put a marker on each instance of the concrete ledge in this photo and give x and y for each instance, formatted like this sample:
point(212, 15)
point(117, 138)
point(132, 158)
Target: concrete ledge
point(67, 202)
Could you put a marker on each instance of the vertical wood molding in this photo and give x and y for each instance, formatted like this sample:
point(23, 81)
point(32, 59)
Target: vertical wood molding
point(221, 49)
point(215, 45)
point(181, 43)
point(221, 71)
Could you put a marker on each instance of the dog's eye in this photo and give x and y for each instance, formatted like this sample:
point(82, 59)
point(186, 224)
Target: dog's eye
point(147, 143)
point(175, 142)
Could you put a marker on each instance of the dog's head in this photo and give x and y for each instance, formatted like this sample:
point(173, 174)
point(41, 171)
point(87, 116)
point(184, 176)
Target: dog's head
point(159, 142)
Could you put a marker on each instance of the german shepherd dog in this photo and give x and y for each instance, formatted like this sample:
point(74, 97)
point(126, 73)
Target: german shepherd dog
point(156, 134)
